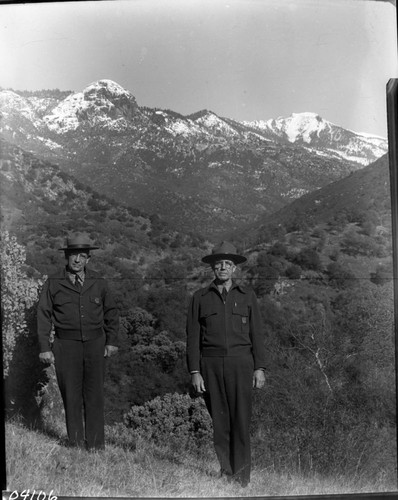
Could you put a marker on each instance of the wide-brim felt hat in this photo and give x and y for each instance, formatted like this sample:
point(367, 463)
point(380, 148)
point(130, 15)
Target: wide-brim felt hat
point(224, 251)
point(78, 242)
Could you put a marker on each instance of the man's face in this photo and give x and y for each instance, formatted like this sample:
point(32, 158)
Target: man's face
point(77, 260)
point(223, 270)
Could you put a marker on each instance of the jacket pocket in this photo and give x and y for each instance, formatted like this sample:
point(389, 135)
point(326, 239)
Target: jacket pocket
point(240, 319)
point(62, 303)
point(95, 310)
point(64, 308)
point(208, 319)
point(95, 300)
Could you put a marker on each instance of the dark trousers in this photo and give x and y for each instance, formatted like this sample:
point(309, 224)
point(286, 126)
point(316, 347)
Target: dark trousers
point(80, 370)
point(229, 383)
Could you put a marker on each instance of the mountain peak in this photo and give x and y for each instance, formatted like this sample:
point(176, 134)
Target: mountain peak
point(211, 121)
point(103, 104)
point(203, 113)
point(105, 87)
point(324, 137)
point(302, 126)
point(307, 115)
point(294, 127)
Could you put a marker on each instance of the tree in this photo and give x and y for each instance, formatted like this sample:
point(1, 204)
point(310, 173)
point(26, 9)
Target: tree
point(267, 274)
point(149, 364)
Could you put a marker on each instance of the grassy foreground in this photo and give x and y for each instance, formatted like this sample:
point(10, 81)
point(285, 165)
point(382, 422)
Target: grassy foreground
point(37, 462)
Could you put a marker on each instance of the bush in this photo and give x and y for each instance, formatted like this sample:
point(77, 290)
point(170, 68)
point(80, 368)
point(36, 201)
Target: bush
point(267, 276)
point(174, 420)
point(308, 258)
point(354, 243)
point(18, 293)
point(279, 249)
point(293, 272)
point(338, 276)
point(382, 275)
point(23, 372)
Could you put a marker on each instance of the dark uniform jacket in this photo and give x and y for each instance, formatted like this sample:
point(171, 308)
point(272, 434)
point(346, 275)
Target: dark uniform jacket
point(83, 314)
point(231, 329)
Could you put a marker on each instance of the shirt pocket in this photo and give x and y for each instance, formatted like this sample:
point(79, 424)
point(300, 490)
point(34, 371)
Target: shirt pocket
point(240, 319)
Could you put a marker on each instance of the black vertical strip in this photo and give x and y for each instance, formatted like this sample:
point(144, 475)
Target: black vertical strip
point(3, 468)
point(392, 123)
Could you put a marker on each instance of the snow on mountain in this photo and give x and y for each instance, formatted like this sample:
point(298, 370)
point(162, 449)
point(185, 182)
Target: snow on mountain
point(299, 126)
point(211, 121)
point(13, 104)
point(203, 124)
point(103, 104)
point(177, 125)
point(107, 107)
point(323, 137)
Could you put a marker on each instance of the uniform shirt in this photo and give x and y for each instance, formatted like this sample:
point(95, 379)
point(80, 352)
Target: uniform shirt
point(76, 278)
point(77, 313)
point(233, 328)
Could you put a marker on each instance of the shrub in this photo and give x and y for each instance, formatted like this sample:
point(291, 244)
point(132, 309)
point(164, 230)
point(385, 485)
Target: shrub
point(18, 295)
point(293, 272)
point(23, 371)
point(279, 249)
point(308, 258)
point(354, 243)
point(267, 276)
point(174, 420)
point(382, 275)
point(339, 276)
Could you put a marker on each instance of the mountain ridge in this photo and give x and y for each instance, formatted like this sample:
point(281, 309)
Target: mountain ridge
point(200, 170)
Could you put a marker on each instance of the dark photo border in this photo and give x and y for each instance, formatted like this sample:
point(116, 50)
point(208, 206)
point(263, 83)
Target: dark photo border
point(392, 119)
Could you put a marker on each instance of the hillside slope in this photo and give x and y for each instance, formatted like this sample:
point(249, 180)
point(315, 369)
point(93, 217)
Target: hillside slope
point(41, 204)
point(364, 193)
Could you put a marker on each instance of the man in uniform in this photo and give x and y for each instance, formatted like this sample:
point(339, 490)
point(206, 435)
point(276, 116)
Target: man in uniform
point(226, 358)
point(77, 302)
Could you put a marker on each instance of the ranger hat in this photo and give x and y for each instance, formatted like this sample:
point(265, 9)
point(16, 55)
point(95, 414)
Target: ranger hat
point(78, 242)
point(224, 251)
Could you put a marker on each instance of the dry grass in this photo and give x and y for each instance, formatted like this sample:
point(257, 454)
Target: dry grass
point(38, 462)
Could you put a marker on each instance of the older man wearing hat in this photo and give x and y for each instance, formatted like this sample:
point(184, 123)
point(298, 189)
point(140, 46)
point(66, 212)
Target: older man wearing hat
point(77, 303)
point(226, 358)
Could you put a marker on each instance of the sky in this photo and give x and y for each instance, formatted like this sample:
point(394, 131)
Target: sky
point(242, 59)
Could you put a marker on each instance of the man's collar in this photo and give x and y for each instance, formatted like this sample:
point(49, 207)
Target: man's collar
point(69, 271)
point(215, 287)
point(71, 274)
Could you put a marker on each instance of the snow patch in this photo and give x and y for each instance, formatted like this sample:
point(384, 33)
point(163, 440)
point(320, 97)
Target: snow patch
point(93, 105)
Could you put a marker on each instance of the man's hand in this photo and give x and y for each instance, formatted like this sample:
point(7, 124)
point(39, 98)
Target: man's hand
point(47, 357)
point(110, 350)
point(198, 383)
point(258, 379)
